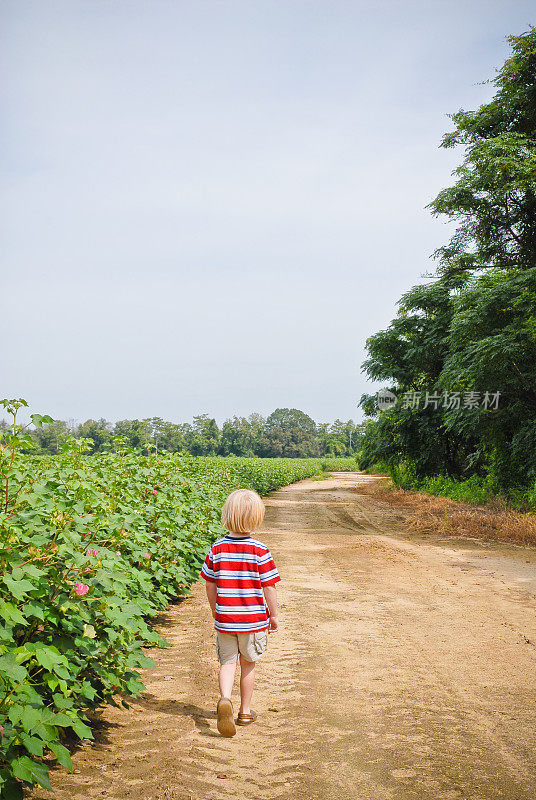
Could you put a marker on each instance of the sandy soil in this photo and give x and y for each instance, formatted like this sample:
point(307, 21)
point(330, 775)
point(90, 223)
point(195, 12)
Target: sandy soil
point(404, 668)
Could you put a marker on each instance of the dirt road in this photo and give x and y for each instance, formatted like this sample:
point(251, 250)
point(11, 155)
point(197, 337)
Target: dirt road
point(403, 669)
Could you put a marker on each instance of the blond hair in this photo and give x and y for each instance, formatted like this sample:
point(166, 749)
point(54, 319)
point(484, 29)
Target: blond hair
point(243, 511)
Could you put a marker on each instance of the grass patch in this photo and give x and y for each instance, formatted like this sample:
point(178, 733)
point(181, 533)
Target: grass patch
point(429, 514)
point(322, 476)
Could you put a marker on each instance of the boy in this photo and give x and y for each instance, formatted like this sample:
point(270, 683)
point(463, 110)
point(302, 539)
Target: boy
point(238, 570)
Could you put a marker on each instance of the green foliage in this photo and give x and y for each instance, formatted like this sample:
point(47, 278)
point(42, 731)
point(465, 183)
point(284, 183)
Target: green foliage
point(494, 199)
point(92, 547)
point(286, 433)
point(473, 328)
point(290, 433)
point(474, 490)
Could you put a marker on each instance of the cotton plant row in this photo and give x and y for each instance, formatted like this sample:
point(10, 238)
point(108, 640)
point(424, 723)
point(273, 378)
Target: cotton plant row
point(91, 549)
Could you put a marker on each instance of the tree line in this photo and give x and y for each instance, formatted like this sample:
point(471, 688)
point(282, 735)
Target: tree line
point(467, 338)
point(286, 432)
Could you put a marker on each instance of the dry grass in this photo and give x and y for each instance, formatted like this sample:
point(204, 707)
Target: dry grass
point(440, 515)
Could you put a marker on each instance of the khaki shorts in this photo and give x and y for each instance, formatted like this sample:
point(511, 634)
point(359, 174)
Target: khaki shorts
point(250, 645)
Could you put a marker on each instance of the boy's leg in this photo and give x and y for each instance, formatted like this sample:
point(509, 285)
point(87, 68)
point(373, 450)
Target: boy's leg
point(227, 649)
point(226, 678)
point(247, 680)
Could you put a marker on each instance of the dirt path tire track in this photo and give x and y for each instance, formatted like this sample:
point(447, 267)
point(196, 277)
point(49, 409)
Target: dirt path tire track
point(402, 671)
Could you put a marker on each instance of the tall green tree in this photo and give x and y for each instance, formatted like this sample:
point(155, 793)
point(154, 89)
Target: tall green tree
point(99, 431)
point(238, 437)
point(290, 433)
point(473, 328)
point(493, 200)
point(51, 436)
point(205, 436)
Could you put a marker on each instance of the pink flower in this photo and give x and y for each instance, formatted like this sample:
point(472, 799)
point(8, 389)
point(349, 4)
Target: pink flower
point(154, 491)
point(81, 589)
point(174, 561)
point(2, 732)
point(147, 555)
point(92, 552)
point(87, 533)
point(118, 552)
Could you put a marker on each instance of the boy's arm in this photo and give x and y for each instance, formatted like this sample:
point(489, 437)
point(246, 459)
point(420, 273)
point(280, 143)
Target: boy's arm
point(270, 595)
point(212, 594)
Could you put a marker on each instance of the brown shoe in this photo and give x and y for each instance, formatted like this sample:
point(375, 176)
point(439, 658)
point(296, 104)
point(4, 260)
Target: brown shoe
point(246, 719)
point(226, 724)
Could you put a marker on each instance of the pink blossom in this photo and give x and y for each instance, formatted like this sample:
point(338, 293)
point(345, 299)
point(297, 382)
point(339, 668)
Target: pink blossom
point(147, 555)
point(174, 561)
point(2, 732)
point(118, 552)
point(81, 589)
point(92, 552)
point(154, 491)
point(87, 533)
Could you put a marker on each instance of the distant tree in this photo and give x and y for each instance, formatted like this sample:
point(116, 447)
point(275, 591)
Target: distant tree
point(172, 438)
point(287, 432)
point(50, 437)
point(152, 432)
point(322, 438)
point(204, 438)
point(339, 438)
point(290, 433)
point(100, 431)
point(257, 426)
point(237, 437)
point(133, 431)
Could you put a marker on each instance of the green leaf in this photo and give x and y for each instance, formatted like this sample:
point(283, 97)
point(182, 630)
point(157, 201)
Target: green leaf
point(32, 744)
point(27, 770)
point(50, 718)
point(139, 660)
point(62, 754)
point(18, 588)
point(88, 690)
point(10, 613)
point(10, 669)
point(81, 730)
point(41, 419)
point(30, 718)
point(28, 569)
point(49, 658)
point(6, 633)
point(135, 687)
point(33, 609)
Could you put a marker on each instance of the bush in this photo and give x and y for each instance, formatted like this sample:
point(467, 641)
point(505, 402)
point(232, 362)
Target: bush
point(475, 490)
point(341, 464)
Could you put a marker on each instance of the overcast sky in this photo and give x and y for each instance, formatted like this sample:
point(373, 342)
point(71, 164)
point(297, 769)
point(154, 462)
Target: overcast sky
point(207, 207)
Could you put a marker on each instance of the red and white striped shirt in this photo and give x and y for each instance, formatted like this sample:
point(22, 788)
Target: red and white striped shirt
point(240, 567)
